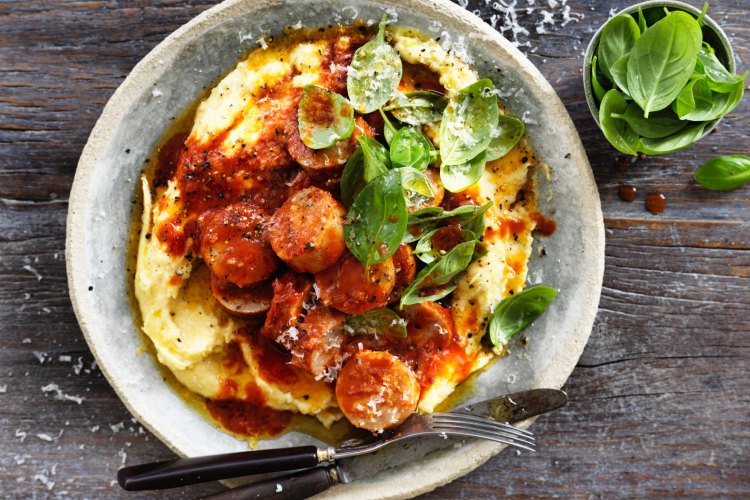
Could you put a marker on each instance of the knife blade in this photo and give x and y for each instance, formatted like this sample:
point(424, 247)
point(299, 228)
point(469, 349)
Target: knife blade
point(511, 408)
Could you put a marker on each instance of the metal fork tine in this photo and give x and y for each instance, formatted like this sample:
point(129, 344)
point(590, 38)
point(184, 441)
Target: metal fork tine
point(485, 426)
point(483, 435)
point(462, 417)
point(481, 429)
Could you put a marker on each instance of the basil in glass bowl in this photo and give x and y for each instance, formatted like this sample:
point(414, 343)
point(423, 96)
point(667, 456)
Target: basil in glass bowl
point(660, 75)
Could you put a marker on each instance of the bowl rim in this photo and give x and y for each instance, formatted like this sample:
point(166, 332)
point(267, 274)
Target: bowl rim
point(438, 470)
point(726, 45)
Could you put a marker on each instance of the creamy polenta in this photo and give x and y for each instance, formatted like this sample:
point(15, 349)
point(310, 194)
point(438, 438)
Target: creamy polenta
point(244, 279)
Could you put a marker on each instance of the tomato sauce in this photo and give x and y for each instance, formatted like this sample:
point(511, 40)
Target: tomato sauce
point(273, 363)
point(544, 225)
point(505, 228)
point(248, 419)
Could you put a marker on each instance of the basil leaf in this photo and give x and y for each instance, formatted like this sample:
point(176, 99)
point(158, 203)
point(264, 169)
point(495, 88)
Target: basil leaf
point(698, 103)
point(662, 61)
point(724, 173)
point(659, 124)
point(468, 123)
point(353, 177)
point(376, 322)
point(389, 129)
point(620, 74)
point(417, 189)
point(518, 311)
point(376, 222)
point(598, 89)
point(324, 117)
point(679, 140)
point(457, 178)
point(702, 14)
point(439, 273)
point(374, 73)
point(509, 131)
point(618, 37)
point(719, 78)
point(420, 107)
point(375, 156)
point(426, 251)
point(642, 25)
point(470, 217)
point(410, 148)
point(617, 131)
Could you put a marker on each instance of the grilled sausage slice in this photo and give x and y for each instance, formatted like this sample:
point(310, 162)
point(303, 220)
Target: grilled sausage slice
point(376, 390)
point(307, 232)
point(346, 287)
point(234, 246)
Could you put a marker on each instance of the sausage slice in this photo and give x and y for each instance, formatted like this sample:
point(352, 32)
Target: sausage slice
point(376, 390)
point(307, 232)
point(292, 297)
point(233, 244)
point(346, 287)
point(242, 302)
point(405, 267)
point(318, 346)
point(429, 326)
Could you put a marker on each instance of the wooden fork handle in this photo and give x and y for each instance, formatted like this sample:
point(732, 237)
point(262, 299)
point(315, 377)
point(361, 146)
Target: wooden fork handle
point(185, 471)
point(294, 487)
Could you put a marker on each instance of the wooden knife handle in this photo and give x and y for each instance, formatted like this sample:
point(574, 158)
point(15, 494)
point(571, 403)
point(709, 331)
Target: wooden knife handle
point(294, 487)
point(184, 471)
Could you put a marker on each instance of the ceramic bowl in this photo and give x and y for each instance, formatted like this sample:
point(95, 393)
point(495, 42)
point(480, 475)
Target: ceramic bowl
point(169, 79)
point(712, 33)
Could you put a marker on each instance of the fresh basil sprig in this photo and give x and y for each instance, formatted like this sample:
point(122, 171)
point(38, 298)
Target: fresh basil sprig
point(468, 123)
point(724, 173)
point(420, 107)
point(670, 83)
point(374, 73)
point(518, 311)
point(376, 322)
point(376, 222)
point(325, 117)
point(439, 276)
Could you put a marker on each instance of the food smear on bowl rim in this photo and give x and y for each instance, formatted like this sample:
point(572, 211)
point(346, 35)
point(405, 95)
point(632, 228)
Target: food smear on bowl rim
point(246, 277)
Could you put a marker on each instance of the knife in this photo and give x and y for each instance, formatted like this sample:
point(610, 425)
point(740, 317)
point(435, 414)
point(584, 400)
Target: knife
point(510, 408)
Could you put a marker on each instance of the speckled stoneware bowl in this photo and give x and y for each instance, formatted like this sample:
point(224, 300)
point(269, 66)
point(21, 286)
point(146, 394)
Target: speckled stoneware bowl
point(170, 78)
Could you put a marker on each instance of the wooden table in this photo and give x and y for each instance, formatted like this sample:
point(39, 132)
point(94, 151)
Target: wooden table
point(659, 401)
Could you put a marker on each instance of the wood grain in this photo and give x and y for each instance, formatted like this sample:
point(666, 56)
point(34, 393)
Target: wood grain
point(659, 400)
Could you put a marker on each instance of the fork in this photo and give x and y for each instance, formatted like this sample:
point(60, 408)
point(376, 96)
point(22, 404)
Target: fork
point(185, 471)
